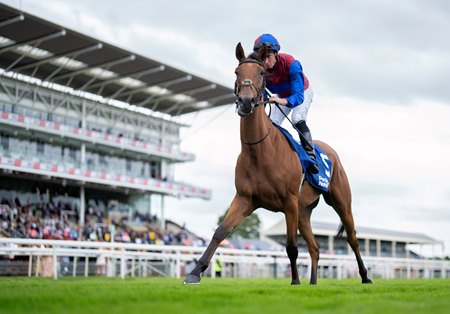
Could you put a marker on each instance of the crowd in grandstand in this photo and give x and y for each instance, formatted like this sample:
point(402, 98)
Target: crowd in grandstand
point(59, 221)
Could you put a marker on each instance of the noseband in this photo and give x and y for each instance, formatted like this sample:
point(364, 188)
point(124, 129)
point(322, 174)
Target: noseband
point(248, 82)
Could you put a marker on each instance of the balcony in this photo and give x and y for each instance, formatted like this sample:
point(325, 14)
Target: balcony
point(15, 161)
point(63, 130)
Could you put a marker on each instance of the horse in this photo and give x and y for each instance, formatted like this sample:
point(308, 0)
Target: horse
point(268, 175)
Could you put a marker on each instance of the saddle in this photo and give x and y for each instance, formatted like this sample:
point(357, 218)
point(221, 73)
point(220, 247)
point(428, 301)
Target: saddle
point(320, 180)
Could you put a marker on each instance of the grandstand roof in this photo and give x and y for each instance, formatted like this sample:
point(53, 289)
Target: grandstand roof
point(38, 48)
point(322, 228)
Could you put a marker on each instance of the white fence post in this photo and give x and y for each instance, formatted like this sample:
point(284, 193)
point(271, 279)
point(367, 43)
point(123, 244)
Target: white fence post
point(212, 265)
point(86, 266)
point(55, 266)
point(178, 265)
point(74, 271)
point(30, 265)
point(122, 265)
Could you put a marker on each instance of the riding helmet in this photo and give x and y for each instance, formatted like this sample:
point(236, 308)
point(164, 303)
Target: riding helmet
point(266, 39)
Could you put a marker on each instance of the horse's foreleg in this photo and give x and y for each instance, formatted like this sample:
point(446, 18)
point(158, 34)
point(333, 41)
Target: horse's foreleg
point(291, 214)
point(240, 208)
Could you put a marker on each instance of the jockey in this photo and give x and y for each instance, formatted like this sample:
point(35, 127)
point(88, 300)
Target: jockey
point(291, 89)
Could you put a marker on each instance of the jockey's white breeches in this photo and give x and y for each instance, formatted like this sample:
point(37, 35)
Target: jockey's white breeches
point(299, 113)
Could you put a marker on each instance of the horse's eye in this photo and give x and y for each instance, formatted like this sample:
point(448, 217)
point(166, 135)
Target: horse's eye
point(262, 73)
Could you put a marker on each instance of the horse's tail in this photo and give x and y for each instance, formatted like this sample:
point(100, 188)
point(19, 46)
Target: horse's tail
point(340, 230)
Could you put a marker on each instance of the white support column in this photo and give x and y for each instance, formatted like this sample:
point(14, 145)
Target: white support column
point(165, 171)
point(149, 201)
point(83, 157)
point(82, 207)
point(83, 115)
point(83, 165)
point(367, 246)
point(378, 248)
point(330, 244)
point(394, 249)
point(163, 218)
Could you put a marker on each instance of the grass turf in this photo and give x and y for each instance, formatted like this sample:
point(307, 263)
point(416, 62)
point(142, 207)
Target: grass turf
point(167, 295)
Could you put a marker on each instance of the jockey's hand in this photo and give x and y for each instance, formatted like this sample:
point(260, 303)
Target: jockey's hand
point(278, 100)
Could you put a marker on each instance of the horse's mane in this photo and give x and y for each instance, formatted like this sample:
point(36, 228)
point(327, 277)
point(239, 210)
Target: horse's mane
point(255, 56)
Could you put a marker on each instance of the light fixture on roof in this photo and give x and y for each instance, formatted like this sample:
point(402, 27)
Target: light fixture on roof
point(156, 90)
point(131, 82)
point(69, 63)
point(5, 41)
point(33, 52)
point(181, 98)
point(101, 73)
point(200, 105)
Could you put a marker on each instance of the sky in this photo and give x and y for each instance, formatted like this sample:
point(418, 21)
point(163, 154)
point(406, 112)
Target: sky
point(380, 71)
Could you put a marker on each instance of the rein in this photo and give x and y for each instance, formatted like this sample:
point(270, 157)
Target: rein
point(257, 142)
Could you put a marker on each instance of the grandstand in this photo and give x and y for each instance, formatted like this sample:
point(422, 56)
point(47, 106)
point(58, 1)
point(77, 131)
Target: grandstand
point(372, 241)
point(92, 123)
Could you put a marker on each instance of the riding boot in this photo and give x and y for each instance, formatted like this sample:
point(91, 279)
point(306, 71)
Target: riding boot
point(308, 145)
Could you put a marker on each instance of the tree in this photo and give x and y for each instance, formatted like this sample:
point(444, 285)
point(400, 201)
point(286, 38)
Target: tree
point(248, 228)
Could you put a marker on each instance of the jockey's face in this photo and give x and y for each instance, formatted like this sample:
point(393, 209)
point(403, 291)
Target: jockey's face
point(270, 60)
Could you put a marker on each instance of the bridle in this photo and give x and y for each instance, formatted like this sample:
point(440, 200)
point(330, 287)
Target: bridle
point(259, 95)
point(248, 82)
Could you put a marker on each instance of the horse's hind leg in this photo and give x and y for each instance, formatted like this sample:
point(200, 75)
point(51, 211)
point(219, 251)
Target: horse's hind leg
point(339, 197)
point(240, 208)
point(291, 214)
point(304, 226)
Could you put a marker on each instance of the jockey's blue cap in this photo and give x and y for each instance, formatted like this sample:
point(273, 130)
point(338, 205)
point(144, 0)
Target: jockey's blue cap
point(266, 39)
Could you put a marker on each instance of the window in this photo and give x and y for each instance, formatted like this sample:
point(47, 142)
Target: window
point(128, 165)
point(40, 147)
point(155, 170)
point(5, 141)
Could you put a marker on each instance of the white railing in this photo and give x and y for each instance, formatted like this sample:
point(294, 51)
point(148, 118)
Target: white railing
point(90, 136)
point(65, 171)
point(130, 259)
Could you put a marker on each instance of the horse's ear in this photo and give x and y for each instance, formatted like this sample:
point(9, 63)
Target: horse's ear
point(263, 52)
point(240, 55)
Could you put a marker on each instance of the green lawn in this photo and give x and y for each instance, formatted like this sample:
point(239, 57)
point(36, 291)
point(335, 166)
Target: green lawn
point(159, 295)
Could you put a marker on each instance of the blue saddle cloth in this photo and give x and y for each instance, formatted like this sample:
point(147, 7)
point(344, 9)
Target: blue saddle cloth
point(320, 180)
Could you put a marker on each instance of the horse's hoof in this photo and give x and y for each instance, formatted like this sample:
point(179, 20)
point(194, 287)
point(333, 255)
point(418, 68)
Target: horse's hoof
point(367, 280)
point(191, 280)
point(295, 282)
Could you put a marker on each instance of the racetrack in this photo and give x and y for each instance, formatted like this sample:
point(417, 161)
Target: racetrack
point(168, 295)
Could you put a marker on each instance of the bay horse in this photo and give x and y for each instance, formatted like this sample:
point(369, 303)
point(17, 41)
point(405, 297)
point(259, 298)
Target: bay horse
point(268, 175)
